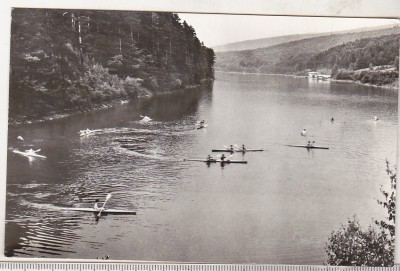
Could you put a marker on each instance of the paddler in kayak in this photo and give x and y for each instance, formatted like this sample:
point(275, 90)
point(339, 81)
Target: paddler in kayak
point(243, 148)
point(223, 157)
point(96, 205)
point(202, 122)
point(231, 148)
point(304, 132)
point(309, 144)
point(209, 158)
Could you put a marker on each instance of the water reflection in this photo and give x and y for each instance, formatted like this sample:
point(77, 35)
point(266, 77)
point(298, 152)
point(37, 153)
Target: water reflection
point(227, 213)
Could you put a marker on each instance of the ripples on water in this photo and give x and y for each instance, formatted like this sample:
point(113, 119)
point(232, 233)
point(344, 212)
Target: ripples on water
point(279, 208)
point(117, 161)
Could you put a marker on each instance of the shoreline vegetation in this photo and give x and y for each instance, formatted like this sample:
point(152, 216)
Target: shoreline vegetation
point(66, 61)
point(106, 105)
point(370, 59)
point(393, 86)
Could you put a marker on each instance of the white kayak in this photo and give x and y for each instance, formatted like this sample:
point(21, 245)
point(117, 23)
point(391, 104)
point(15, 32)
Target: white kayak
point(29, 153)
point(86, 132)
point(105, 211)
point(145, 118)
point(201, 126)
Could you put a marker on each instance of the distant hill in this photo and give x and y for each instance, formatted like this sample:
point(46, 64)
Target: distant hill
point(286, 57)
point(271, 41)
point(261, 43)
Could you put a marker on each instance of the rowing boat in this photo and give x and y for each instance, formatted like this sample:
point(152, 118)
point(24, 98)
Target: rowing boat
point(235, 150)
point(105, 211)
point(309, 147)
point(29, 153)
point(218, 161)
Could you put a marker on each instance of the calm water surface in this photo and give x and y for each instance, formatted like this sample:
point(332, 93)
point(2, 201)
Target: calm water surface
point(280, 208)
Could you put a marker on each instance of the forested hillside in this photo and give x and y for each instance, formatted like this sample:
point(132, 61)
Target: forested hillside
point(63, 60)
point(296, 56)
point(352, 34)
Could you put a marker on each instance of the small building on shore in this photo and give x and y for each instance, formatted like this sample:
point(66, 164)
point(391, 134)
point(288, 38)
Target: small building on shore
point(313, 75)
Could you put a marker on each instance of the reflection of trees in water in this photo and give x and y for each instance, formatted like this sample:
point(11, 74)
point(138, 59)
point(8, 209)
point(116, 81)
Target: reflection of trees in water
point(175, 105)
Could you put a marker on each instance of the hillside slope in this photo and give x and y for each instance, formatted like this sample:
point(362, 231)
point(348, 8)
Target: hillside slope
point(262, 43)
point(284, 58)
point(68, 60)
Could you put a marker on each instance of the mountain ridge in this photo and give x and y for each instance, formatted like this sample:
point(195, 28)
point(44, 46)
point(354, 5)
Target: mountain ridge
point(271, 41)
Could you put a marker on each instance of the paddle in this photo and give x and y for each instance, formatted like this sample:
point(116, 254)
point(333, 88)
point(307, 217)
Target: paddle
point(38, 150)
point(102, 208)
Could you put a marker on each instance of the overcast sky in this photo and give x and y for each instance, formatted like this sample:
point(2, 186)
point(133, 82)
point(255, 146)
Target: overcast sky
point(221, 29)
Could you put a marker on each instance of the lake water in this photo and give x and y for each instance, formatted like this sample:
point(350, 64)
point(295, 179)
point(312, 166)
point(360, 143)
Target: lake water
point(280, 208)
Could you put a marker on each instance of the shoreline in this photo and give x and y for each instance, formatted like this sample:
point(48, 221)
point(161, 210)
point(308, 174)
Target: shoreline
point(106, 105)
point(394, 86)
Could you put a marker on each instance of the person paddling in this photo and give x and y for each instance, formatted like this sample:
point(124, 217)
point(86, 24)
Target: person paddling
point(304, 132)
point(332, 119)
point(243, 148)
point(96, 205)
point(231, 148)
point(309, 144)
point(209, 158)
point(223, 157)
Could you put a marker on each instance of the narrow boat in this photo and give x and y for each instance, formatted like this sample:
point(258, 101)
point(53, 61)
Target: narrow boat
point(309, 147)
point(105, 211)
point(218, 161)
point(29, 153)
point(145, 118)
point(201, 126)
point(235, 150)
point(86, 132)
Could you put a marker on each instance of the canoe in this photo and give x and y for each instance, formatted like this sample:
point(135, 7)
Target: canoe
point(218, 161)
point(309, 147)
point(235, 150)
point(29, 154)
point(105, 211)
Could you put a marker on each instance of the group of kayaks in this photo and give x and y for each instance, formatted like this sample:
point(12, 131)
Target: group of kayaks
point(222, 158)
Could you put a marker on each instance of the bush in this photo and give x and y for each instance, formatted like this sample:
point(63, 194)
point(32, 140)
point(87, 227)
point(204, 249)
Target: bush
point(352, 245)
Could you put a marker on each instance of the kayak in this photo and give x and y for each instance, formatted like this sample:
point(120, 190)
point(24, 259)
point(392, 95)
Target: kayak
point(29, 154)
point(309, 147)
point(86, 132)
point(235, 150)
point(218, 161)
point(201, 126)
point(105, 211)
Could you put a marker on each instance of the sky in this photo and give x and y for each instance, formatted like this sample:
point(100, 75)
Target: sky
point(213, 29)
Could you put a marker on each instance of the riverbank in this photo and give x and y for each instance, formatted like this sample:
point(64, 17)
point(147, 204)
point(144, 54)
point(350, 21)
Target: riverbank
point(394, 85)
point(55, 115)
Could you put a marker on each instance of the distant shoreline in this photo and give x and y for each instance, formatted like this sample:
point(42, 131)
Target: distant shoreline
point(394, 86)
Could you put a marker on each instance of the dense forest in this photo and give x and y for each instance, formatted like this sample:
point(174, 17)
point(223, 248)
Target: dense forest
point(359, 54)
point(329, 53)
point(67, 60)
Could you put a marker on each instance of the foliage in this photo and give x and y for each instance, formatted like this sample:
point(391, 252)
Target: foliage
point(378, 78)
point(73, 59)
point(351, 51)
point(374, 246)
